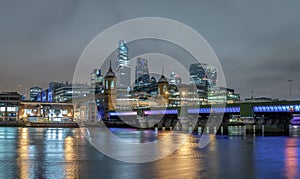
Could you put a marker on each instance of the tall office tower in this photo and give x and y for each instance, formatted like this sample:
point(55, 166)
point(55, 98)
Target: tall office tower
point(35, 93)
point(52, 90)
point(174, 78)
point(198, 78)
point(203, 74)
point(197, 74)
point(142, 77)
point(211, 75)
point(123, 69)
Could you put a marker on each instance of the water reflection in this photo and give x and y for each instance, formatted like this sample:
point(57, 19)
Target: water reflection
point(65, 153)
point(71, 155)
point(291, 158)
point(23, 153)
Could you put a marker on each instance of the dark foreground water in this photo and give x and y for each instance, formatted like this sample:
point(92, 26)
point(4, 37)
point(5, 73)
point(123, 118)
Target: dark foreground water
point(65, 153)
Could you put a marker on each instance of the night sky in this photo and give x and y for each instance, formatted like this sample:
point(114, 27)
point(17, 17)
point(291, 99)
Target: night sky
point(257, 42)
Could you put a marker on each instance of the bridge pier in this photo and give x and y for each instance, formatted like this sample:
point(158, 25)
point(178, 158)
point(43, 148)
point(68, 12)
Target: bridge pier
point(143, 122)
point(152, 122)
point(223, 129)
point(185, 123)
point(211, 129)
point(250, 128)
point(201, 124)
point(168, 123)
point(277, 128)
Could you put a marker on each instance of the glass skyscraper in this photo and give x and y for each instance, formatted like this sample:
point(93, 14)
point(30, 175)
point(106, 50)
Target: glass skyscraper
point(174, 78)
point(142, 77)
point(35, 93)
point(97, 81)
point(123, 69)
point(203, 76)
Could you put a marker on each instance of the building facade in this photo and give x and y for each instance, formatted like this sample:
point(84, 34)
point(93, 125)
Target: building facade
point(9, 106)
point(35, 93)
point(53, 86)
point(222, 95)
point(204, 77)
point(69, 91)
point(142, 77)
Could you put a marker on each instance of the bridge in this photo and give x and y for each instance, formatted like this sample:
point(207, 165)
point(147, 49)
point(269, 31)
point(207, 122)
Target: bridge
point(272, 117)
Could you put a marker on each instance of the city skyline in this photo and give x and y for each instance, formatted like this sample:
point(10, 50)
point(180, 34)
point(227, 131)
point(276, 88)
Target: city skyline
point(258, 52)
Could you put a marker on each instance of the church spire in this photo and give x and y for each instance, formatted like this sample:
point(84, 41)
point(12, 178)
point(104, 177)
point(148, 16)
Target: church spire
point(110, 69)
point(110, 72)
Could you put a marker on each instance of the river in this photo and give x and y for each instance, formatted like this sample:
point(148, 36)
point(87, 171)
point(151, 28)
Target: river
point(66, 153)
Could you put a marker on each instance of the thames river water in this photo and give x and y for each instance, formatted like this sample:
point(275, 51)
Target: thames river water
point(65, 153)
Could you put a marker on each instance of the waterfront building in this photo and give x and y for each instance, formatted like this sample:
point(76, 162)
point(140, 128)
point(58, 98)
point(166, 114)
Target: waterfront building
point(45, 111)
point(123, 68)
point(222, 95)
point(35, 93)
point(189, 95)
point(69, 91)
point(9, 106)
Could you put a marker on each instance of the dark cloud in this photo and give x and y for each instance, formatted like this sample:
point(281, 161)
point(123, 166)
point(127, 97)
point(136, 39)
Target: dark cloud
point(257, 41)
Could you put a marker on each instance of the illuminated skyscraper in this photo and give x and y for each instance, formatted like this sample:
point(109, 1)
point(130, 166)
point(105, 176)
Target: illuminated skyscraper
point(35, 93)
point(97, 81)
point(142, 77)
point(211, 75)
point(204, 77)
point(203, 74)
point(174, 78)
point(123, 69)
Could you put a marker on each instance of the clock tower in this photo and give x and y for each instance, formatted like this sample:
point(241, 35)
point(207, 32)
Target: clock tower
point(110, 89)
point(163, 90)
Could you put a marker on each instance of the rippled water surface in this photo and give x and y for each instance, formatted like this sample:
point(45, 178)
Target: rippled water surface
point(65, 153)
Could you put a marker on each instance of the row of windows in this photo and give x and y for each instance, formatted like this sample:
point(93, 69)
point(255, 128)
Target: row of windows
point(10, 98)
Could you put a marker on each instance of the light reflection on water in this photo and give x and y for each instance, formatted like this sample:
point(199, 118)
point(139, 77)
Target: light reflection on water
point(23, 153)
point(65, 153)
point(291, 158)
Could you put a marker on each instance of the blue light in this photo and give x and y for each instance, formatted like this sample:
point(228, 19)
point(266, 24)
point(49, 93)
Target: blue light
point(277, 108)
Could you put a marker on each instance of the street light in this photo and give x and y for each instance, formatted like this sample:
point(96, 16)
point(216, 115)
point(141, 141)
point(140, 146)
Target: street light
point(290, 81)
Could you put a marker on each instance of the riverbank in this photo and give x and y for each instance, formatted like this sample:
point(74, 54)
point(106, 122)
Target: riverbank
point(23, 124)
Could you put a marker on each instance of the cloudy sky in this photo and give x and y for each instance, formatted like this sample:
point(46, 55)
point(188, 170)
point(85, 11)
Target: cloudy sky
point(257, 42)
